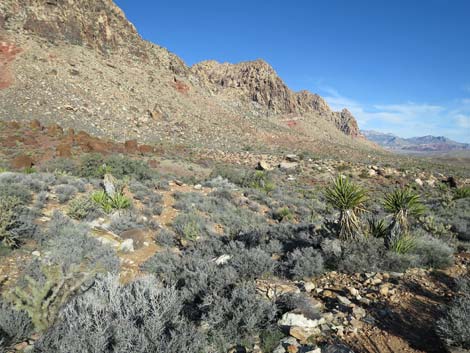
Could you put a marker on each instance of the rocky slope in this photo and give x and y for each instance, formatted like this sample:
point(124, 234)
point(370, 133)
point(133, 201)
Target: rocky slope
point(82, 64)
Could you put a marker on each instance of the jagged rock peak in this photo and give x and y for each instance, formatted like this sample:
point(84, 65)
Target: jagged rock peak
point(252, 81)
point(346, 122)
point(99, 24)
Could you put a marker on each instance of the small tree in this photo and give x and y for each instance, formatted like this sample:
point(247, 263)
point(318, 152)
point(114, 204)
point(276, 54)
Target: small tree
point(349, 199)
point(402, 204)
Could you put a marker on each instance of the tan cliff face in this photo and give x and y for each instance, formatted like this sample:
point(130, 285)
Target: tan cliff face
point(84, 65)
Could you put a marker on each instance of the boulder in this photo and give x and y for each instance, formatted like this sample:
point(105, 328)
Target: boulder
point(288, 165)
point(263, 165)
point(22, 162)
point(131, 146)
point(275, 288)
point(145, 149)
point(109, 184)
point(35, 124)
point(292, 158)
point(63, 150)
point(291, 319)
point(127, 246)
point(137, 235)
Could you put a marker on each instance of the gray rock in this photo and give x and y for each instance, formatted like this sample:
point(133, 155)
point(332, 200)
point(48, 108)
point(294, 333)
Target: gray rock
point(288, 165)
point(109, 183)
point(337, 348)
point(127, 245)
point(292, 319)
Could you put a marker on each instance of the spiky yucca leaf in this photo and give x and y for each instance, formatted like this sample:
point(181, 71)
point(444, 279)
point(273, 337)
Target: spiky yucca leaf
point(377, 228)
point(402, 204)
point(403, 245)
point(349, 199)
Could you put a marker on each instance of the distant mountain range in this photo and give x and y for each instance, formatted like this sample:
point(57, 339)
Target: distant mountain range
point(415, 144)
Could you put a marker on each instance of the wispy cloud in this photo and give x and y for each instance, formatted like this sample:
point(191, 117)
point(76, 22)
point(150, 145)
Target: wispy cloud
point(409, 118)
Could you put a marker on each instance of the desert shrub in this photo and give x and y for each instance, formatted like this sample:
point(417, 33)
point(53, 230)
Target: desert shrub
point(293, 236)
point(360, 256)
point(433, 252)
point(304, 263)
point(122, 166)
point(190, 226)
point(139, 317)
point(194, 275)
point(41, 200)
point(91, 166)
point(166, 237)
point(237, 317)
point(220, 183)
point(349, 199)
point(60, 166)
point(42, 298)
point(298, 302)
point(16, 222)
point(283, 213)
point(17, 190)
point(15, 326)
point(122, 221)
point(65, 192)
point(69, 244)
point(250, 263)
point(462, 192)
point(270, 338)
point(83, 208)
point(232, 174)
point(453, 328)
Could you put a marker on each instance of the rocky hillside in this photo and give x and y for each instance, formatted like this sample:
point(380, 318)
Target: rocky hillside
point(428, 143)
point(82, 64)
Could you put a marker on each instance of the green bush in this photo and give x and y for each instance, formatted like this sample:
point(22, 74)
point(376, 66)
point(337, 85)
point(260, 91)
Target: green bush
point(82, 208)
point(462, 192)
point(454, 328)
point(8, 206)
point(189, 226)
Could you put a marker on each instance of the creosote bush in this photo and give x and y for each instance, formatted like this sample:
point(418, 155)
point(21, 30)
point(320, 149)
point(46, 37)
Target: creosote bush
point(142, 316)
point(453, 328)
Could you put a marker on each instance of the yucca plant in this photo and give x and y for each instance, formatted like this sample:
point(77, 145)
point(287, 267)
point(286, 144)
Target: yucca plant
point(377, 228)
point(119, 201)
point(403, 245)
point(402, 204)
point(349, 199)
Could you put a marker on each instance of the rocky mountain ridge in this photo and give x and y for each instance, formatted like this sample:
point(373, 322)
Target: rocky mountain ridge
point(415, 144)
point(84, 65)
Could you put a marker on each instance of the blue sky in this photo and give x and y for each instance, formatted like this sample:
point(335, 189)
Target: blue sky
point(401, 66)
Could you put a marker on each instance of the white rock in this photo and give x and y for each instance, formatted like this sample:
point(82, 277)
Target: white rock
point(198, 187)
point(127, 245)
point(106, 241)
point(222, 259)
point(288, 165)
point(293, 319)
point(36, 253)
point(309, 286)
point(419, 181)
